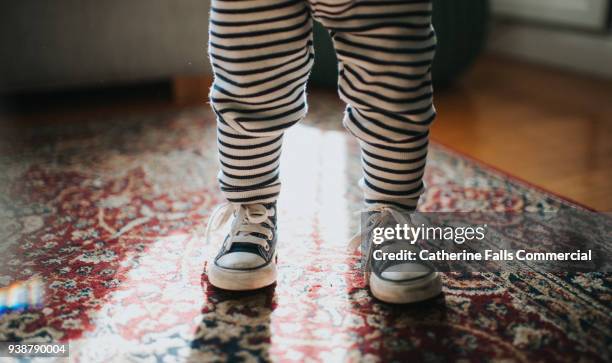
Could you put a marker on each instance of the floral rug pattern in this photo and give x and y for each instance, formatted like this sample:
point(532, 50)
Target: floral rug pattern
point(111, 213)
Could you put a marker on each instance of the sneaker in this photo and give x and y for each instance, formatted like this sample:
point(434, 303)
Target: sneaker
point(247, 258)
point(396, 282)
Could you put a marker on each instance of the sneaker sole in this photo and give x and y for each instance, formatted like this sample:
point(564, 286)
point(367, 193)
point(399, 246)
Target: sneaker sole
point(237, 280)
point(406, 292)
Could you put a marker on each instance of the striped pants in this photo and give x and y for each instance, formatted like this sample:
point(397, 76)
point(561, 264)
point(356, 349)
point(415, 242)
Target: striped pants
point(262, 52)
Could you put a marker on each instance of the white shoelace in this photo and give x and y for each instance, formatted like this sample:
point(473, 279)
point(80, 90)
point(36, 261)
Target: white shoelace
point(374, 220)
point(248, 220)
point(381, 214)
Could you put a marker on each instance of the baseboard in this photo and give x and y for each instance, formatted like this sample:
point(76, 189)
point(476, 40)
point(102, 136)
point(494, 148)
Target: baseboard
point(191, 89)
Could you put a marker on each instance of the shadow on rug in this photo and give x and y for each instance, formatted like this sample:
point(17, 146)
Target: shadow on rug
point(110, 214)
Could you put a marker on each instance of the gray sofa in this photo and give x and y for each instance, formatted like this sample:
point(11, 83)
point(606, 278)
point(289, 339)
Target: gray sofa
point(61, 44)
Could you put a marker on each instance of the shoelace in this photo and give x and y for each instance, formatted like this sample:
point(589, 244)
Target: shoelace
point(248, 220)
point(378, 215)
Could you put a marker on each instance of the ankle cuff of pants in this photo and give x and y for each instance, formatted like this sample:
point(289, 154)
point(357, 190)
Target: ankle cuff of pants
point(407, 203)
point(264, 195)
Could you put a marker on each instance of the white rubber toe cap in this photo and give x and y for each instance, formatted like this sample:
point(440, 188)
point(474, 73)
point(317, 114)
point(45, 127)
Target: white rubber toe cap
point(240, 260)
point(405, 271)
point(404, 292)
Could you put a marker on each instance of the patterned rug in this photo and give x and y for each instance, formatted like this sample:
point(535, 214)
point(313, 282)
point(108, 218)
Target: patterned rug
point(110, 213)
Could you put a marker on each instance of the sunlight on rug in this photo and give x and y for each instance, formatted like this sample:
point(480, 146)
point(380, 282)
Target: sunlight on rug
point(111, 216)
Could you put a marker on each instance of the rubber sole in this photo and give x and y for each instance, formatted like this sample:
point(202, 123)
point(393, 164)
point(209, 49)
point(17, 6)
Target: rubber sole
point(406, 292)
point(237, 280)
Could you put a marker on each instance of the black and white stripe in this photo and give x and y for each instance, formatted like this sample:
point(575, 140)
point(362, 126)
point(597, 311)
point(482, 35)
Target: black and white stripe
point(261, 52)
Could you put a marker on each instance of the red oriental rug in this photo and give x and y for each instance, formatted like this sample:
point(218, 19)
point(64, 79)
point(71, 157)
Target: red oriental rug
point(110, 215)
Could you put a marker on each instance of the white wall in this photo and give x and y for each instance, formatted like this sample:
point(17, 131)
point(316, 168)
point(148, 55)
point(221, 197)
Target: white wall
point(571, 34)
point(584, 14)
point(578, 51)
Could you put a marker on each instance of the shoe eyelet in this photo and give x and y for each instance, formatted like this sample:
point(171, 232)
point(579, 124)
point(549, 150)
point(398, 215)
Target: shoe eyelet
point(267, 247)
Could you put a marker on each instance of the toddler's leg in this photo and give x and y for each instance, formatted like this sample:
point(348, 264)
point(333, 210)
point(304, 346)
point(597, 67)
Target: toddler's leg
point(385, 53)
point(261, 54)
point(385, 50)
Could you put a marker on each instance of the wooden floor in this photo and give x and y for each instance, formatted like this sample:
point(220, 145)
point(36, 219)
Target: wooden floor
point(549, 127)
